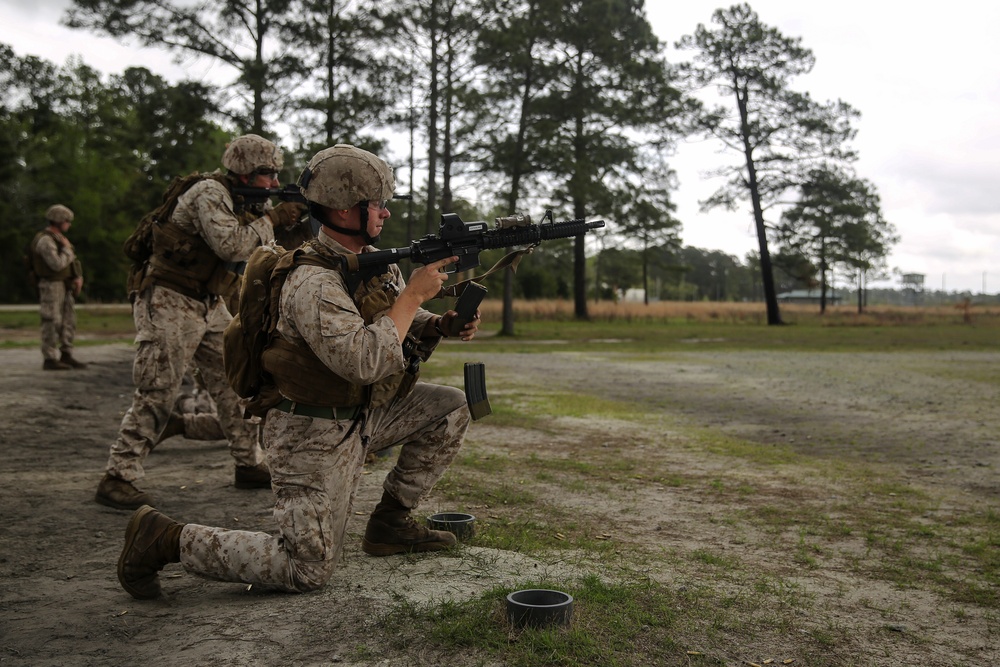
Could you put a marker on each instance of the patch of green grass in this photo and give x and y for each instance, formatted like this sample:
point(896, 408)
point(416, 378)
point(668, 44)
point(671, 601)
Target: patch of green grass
point(713, 559)
point(498, 495)
point(111, 325)
point(808, 334)
point(572, 404)
point(19, 319)
point(624, 624)
point(525, 536)
point(806, 553)
point(759, 453)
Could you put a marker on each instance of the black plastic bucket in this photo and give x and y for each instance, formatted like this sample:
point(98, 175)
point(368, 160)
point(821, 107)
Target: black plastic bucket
point(461, 524)
point(539, 607)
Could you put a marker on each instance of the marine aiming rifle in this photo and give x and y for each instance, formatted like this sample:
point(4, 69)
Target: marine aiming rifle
point(466, 240)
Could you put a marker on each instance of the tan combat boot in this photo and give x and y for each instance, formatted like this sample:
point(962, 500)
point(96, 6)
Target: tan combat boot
point(252, 477)
point(68, 359)
point(391, 530)
point(55, 365)
point(121, 495)
point(151, 541)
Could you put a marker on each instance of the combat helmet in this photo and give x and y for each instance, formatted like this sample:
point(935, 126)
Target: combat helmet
point(252, 153)
point(58, 213)
point(343, 175)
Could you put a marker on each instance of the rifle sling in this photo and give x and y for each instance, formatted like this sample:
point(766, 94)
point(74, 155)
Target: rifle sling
point(511, 259)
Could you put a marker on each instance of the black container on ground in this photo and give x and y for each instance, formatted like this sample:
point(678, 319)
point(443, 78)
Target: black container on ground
point(539, 607)
point(461, 524)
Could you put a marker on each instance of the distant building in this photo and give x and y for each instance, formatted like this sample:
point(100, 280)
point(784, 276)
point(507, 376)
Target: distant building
point(635, 295)
point(809, 296)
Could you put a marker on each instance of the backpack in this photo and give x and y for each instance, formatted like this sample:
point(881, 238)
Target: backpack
point(245, 338)
point(253, 327)
point(138, 246)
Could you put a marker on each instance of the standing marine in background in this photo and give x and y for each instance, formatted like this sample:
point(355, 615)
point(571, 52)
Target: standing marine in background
point(180, 312)
point(60, 279)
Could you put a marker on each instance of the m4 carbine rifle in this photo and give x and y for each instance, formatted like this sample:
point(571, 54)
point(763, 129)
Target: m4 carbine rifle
point(466, 240)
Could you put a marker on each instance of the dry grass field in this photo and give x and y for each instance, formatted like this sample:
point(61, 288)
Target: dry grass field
point(746, 313)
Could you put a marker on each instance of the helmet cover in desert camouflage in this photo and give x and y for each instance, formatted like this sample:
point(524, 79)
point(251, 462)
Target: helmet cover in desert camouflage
point(341, 176)
point(249, 153)
point(58, 213)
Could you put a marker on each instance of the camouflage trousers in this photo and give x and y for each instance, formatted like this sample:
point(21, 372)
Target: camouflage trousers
point(174, 332)
point(202, 426)
point(197, 411)
point(58, 315)
point(316, 466)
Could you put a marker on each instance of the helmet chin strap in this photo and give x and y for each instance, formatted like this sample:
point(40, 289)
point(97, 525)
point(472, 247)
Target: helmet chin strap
point(363, 232)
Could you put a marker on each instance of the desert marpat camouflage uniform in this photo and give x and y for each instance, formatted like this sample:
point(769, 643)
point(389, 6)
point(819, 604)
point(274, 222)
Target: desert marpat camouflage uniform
point(174, 331)
point(316, 463)
point(55, 298)
point(198, 416)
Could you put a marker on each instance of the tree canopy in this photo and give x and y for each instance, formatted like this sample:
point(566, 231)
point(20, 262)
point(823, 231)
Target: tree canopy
point(507, 105)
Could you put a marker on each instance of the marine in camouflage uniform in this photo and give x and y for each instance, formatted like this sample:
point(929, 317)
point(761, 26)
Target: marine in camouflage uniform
point(60, 278)
point(345, 380)
point(180, 313)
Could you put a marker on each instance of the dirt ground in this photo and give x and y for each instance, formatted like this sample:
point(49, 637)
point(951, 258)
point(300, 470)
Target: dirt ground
point(60, 602)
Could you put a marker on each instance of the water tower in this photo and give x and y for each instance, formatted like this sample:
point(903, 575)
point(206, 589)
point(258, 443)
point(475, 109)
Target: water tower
point(913, 287)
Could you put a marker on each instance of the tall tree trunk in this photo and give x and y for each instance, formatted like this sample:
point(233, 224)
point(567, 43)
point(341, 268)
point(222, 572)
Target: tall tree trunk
point(766, 269)
point(331, 58)
point(507, 323)
point(258, 78)
point(861, 291)
point(645, 276)
point(822, 276)
point(447, 204)
point(412, 126)
point(579, 202)
point(579, 270)
point(432, 121)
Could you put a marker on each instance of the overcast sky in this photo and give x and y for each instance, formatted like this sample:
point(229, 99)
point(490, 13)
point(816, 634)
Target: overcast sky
point(927, 84)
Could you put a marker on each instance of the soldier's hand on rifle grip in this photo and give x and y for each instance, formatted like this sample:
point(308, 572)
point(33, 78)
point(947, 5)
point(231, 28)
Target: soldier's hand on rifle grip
point(426, 281)
point(286, 214)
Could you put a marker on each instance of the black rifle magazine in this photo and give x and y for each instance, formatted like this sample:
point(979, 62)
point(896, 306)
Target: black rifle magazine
point(475, 390)
point(466, 307)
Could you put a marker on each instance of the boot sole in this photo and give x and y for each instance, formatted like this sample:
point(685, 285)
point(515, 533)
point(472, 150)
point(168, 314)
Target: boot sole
point(130, 536)
point(376, 549)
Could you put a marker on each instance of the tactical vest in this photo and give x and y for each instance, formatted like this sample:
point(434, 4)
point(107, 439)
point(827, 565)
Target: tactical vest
point(42, 270)
point(185, 263)
point(298, 373)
